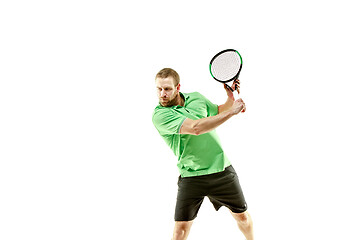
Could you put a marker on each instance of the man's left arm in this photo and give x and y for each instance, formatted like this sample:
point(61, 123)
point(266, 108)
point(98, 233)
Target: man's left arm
point(230, 100)
point(226, 106)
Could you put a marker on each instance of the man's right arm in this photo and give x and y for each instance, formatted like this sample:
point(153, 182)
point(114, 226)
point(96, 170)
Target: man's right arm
point(204, 125)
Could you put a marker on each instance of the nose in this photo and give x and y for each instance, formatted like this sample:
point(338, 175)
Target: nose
point(162, 93)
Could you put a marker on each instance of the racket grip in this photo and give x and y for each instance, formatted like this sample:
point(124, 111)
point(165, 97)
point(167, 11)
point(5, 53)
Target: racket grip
point(235, 91)
point(236, 95)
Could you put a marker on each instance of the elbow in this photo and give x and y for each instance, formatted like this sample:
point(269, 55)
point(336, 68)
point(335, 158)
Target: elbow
point(196, 130)
point(192, 127)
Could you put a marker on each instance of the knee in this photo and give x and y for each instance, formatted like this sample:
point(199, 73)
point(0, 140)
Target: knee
point(243, 218)
point(179, 234)
point(181, 231)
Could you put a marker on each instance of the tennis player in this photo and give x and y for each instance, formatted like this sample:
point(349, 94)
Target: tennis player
point(186, 121)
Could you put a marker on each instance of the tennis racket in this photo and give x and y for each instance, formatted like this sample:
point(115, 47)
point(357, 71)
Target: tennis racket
point(225, 67)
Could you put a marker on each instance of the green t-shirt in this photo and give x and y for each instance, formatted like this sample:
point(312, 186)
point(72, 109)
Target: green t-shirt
point(197, 155)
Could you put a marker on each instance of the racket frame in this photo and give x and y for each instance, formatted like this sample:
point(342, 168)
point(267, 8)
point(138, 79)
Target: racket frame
point(237, 74)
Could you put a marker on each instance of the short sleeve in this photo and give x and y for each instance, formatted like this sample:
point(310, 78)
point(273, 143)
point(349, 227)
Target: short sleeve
point(212, 108)
point(167, 121)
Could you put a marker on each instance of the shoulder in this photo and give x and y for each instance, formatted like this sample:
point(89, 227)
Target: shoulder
point(159, 110)
point(163, 114)
point(195, 95)
point(198, 96)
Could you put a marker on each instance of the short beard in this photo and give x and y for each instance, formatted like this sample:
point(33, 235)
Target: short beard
point(172, 102)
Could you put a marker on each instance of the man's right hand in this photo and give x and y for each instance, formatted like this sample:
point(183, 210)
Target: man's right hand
point(238, 106)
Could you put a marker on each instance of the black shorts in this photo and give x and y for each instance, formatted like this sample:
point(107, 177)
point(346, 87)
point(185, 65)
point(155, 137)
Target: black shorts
point(223, 189)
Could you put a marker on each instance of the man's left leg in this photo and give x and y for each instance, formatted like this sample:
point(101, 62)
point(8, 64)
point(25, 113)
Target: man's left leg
point(181, 230)
point(245, 224)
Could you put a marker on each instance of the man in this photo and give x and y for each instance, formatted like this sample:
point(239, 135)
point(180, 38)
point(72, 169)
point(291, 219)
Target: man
point(187, 123)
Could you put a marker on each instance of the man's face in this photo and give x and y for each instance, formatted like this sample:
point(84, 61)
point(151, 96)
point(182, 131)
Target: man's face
point(167, 91)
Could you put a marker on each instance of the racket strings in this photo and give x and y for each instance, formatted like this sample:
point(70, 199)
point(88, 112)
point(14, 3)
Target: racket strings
point(226, 66)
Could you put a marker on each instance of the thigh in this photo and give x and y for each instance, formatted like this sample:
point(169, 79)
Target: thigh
point(189, 200)
point(227, 192)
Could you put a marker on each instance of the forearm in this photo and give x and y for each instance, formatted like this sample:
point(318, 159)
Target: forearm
point(226, 106)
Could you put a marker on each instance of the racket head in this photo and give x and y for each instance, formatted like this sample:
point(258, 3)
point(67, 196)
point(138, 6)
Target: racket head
point(226, 65)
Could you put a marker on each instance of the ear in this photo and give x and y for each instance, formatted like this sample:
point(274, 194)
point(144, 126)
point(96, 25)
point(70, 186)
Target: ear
point(178, 87)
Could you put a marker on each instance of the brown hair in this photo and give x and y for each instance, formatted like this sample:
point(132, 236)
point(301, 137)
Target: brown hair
point(168, 72)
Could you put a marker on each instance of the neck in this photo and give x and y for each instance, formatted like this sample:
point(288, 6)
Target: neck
point(180, 101)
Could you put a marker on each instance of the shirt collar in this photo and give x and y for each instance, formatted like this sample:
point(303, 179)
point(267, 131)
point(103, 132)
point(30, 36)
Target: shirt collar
point(185, 96)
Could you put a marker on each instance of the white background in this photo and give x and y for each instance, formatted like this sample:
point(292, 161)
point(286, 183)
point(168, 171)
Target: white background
point(80, 158)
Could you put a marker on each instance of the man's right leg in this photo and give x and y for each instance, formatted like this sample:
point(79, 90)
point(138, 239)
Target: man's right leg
point(181, 230)
point(188, 202)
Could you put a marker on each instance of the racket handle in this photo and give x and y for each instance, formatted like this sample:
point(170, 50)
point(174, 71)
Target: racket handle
point(236, 94)
point(235, 91)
